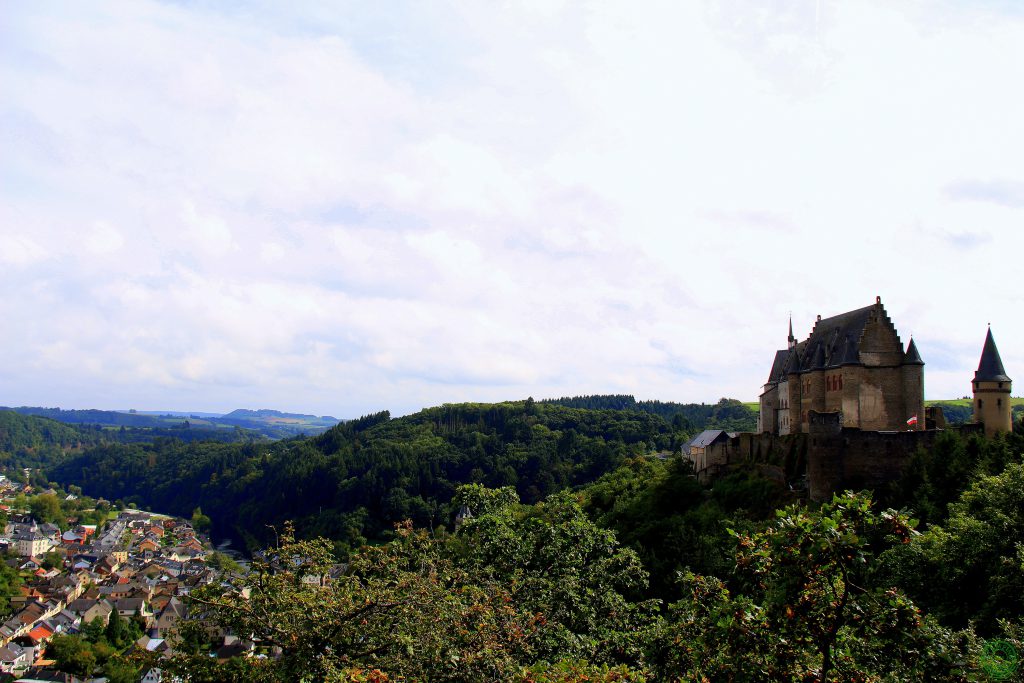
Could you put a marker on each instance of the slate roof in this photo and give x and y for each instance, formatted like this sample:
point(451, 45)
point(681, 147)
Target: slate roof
point(779, 365)
point(706, 438)
point(833, 342)
point(990, 369)
point(912, 356)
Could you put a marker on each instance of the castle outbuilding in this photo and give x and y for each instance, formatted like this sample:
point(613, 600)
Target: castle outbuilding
point(991, 388)
point(853, 365)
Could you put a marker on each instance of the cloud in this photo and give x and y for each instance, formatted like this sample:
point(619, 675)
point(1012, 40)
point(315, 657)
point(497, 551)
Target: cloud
point(338, 210)
point(21, 251)
point(1006, 193)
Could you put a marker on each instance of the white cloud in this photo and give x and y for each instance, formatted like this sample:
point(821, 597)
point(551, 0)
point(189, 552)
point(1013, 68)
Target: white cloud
point(20, 251)
point(103, 239)
point(308, 209)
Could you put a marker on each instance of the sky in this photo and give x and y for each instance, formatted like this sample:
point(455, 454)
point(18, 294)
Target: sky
point(339, 208)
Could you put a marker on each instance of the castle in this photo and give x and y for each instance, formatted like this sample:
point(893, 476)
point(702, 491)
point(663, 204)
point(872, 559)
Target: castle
point(853, 365)
point(845, 407)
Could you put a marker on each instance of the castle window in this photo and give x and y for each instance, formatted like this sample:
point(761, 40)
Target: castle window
point(999, 403)
point(980, 403)
point(840, 382)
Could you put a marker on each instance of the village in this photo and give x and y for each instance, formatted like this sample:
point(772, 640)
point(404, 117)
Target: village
point(135, 567)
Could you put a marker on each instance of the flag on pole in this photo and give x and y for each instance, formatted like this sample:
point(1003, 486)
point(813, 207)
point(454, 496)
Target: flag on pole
point(912, 420)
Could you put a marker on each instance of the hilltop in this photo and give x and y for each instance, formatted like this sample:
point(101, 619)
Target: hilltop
point(256, 424)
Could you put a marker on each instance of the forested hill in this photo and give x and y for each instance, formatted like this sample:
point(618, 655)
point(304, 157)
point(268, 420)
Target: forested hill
point(728, 414)
point(352, 482)
point(239, 425)
point(26, 432)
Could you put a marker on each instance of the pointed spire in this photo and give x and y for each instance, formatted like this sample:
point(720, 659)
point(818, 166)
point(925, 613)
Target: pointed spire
point(912, 357)
point(990, 369)
point(792, 339)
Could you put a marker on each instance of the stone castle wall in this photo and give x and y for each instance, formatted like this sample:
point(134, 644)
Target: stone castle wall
point(833, 458)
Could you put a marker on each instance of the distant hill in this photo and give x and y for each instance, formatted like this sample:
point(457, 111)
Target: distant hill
point(268, 424)
point(276, 424)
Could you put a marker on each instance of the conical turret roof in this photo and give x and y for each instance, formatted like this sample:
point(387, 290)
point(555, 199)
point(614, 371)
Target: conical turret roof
point(990, 369)
point(912, 357)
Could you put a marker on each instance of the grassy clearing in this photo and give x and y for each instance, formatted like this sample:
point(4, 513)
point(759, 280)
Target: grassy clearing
point(966, 402)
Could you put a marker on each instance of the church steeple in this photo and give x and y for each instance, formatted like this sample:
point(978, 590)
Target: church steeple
point(792, 339)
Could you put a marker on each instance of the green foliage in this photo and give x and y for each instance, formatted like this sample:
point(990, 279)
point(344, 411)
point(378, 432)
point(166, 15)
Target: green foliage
point(72, 654)
point(46, 508)
point(353, 482)
point(558, 563)
point(401, 607)
point(657, 508)
point(728, 414)
point(803, 607)
point(516, 588)
point(222, 562)
point(200, 522)
point(53, 560)
point(970, 568)
point(119, 669)
point(10, 585)
point(80, 657)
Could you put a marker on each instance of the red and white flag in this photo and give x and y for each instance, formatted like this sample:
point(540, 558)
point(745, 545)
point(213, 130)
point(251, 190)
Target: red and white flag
point(912, 420)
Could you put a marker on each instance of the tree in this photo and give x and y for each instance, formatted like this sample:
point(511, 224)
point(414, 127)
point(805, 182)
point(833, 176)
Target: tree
point(72, 655)
point(401, 607)
point(559, 564)
point(969, 569)
point(120, 670)
point(200, 522)
point(802, 607)
point(46, 508)
point(117, 630)
point(52, 560)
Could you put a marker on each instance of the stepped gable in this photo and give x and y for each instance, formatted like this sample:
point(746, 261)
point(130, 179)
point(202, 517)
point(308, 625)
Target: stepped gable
point(838, 339)
point(990, 368)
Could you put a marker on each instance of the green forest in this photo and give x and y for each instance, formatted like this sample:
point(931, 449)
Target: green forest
point(589, 551)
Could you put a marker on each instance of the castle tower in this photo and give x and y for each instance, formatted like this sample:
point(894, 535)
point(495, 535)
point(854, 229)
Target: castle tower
point(992, 390)
point(913, 386)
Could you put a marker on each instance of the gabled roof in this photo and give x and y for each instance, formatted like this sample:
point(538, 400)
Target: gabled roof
point(990, 369)
point(706, 438)
point(832, 343)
